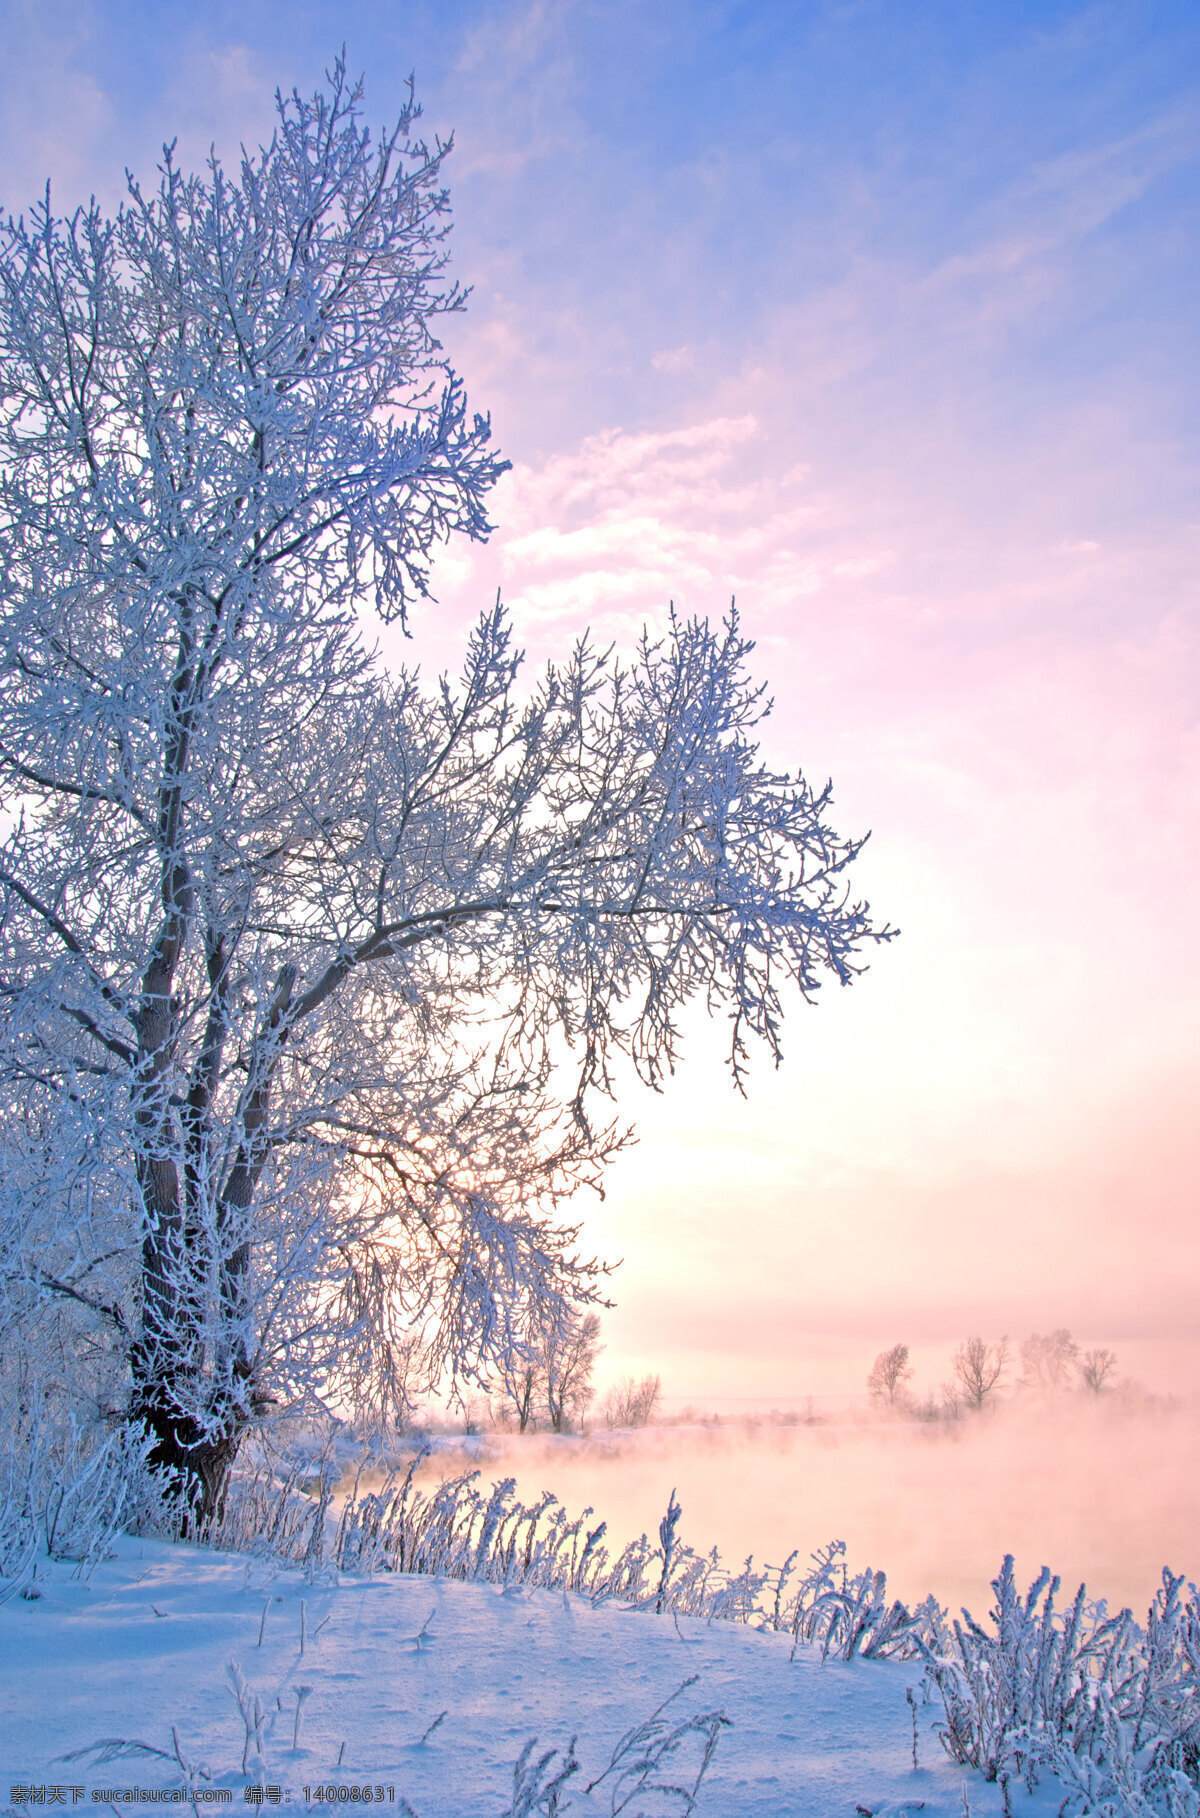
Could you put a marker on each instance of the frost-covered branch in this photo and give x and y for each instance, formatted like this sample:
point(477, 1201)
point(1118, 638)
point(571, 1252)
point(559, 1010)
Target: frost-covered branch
point(314, 978)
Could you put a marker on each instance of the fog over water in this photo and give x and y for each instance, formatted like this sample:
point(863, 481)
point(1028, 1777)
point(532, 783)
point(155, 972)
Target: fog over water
point(1102, 1495)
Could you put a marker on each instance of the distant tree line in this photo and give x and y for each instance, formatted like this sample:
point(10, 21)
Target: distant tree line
point(1051, 1364)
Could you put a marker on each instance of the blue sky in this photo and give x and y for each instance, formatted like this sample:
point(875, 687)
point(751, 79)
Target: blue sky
point(647, 177)
point(681, 173)
point(882, 316)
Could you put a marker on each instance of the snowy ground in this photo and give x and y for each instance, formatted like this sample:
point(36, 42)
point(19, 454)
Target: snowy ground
point(146, 1645)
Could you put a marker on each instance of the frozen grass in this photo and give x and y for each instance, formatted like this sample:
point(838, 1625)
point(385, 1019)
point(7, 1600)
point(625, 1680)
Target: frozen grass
point(66, 1489)
point(1111, 1707)
point(1101, 1710)
point(465, 1700)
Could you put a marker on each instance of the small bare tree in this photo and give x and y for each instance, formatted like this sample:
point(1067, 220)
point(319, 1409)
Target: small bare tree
point(889, 1373)
point(549, 1374)
point(951, 1403)
point(979, 1368)
point(474, 1412)
point(632, 1403)
point(1048, 1362)
point(520, 1393)
point(1095, 1369)
point(569, 1352)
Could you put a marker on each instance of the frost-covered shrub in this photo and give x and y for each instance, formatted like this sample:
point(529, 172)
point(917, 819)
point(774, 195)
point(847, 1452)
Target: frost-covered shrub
point(66, 1488)
point(842, 1615)
point(71, 1473)
point(1112, 1708)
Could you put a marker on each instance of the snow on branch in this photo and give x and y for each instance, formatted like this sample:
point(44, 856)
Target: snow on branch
point(292, 949)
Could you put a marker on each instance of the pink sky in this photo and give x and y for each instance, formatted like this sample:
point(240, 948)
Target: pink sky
point(995, 1129)
point(890, 333)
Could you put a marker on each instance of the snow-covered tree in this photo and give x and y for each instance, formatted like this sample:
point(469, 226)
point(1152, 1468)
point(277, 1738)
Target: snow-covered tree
point(888, 1375)
point(1048, 1362)
point(547, 1375)
point(570, 1349)
point(294, 949)
point(1096, 1368)
point(632, 1402)
point(979, 1368)
point(517, 1399)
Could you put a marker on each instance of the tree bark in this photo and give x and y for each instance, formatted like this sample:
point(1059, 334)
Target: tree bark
point(197, 1462)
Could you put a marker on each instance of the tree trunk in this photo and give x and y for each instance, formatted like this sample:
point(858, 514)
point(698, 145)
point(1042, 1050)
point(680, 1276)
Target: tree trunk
point(197, 1459)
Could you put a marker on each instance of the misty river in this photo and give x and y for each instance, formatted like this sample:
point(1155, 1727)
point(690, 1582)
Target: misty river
point(1105, 1495)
